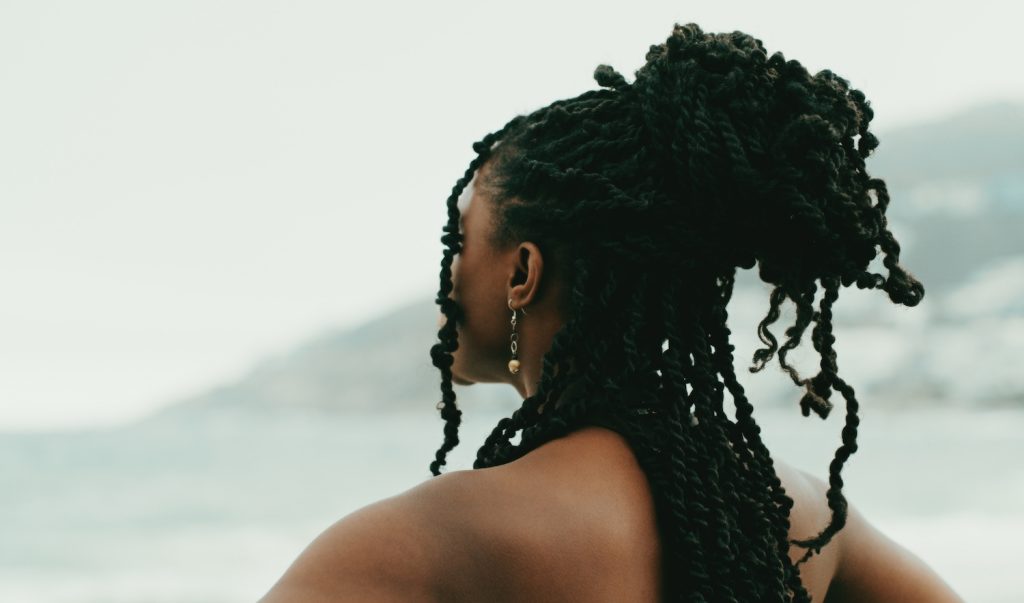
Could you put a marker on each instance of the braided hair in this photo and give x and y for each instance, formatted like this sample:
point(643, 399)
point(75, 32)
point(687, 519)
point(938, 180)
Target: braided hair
point(650, 195)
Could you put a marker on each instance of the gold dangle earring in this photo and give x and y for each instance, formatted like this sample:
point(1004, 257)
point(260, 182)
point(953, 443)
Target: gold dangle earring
point(513, 365)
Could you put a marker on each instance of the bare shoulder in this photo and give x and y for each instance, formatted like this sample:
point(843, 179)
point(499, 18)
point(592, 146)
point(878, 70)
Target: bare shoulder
point(873, 567)
point(860, 563)
point(388, 551)
point(547, 527)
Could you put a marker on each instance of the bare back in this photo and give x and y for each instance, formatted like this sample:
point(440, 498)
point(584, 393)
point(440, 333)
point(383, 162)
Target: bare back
point(595, 469)
point(573, 520)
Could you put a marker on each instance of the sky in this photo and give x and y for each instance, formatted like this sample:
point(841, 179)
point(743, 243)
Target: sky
point(189, 187)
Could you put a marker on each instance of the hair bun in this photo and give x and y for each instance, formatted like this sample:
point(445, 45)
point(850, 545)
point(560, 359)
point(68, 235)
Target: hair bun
point(762, 153)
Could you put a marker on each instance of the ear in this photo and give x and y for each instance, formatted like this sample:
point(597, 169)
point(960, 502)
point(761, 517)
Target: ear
point(527, 274)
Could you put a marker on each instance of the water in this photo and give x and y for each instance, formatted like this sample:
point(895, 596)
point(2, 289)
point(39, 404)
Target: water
point(214, 508)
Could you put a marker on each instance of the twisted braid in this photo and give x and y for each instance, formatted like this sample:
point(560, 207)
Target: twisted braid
point(651, 194)
point(441, 352)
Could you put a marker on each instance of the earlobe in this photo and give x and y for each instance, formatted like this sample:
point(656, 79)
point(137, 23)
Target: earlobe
point(527, 274)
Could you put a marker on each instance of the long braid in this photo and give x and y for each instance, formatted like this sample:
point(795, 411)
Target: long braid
point(816, 398)
point(716, 157)
point(777, 516)
point(441, 352)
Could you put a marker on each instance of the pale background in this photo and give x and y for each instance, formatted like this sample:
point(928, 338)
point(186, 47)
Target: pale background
point(203, 203)
point(187, 187)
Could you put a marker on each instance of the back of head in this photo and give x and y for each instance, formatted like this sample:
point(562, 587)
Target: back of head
point(649, 195)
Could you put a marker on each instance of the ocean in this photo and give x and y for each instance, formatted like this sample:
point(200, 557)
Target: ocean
point(213, 508)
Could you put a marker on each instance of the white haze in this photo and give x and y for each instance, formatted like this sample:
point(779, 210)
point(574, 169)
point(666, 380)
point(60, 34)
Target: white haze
point(188, 186)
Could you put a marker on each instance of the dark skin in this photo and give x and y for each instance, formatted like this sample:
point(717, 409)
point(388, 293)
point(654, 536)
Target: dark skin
point(572, 520)
point(486, 281)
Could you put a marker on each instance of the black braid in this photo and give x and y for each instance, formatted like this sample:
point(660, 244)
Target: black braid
point(651, 194)
point(441, 352)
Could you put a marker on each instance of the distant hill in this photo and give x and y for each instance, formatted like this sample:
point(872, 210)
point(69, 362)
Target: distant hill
point(982, 143)
point(957, 190)
point(379, 365)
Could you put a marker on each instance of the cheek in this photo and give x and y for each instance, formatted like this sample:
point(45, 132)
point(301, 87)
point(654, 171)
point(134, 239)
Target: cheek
point(482, 326)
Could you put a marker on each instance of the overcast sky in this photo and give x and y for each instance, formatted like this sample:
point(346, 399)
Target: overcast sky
point(186, 187)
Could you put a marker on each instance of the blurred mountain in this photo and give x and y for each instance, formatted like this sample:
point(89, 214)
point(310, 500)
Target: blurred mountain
point(981, 144)
point(957, 188)
point(382, 364)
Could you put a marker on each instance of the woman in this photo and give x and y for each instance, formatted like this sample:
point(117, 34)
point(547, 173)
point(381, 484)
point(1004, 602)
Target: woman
point(597, 241)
